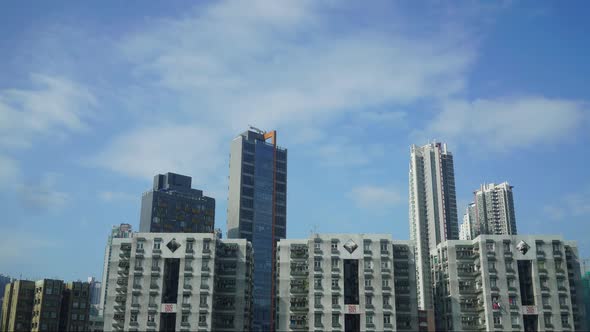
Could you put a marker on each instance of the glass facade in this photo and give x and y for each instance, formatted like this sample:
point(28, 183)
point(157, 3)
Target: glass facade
point(262, 234)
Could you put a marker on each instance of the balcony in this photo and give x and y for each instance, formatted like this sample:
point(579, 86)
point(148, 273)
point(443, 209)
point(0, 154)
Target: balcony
point(299, 290)
point(540, 254)
point(557, 253)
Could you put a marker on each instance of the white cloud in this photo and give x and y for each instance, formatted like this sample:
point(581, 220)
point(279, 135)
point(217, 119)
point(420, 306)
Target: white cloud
point(284, 67)
point(504, 124)
point(54, 107)
point(375, 197)
point(43, 196)
point(115, 196)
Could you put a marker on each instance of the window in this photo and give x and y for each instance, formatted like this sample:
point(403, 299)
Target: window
point(151, 318)
point(155, 264)
point(548, 319)
point(385, 264)
point(186, 299)
point(317, 246)
point(74, 316)
point(493, 282)
point(562, 300)
point(318, 300)
point(368, 300)
point(544, 283)
point(334, 245)
point(184, 318)
point(138, 263)
point(334, 299)
point(76, 304)
point(385, 283)
point(202, 319)
point(490, 246)
point(334, 283)
point(205, 246)
point(139, 245)
point(317, 283)
point(515, 319)
point(205, 265)
point(369, 319)
point(135, 299)
point(367, 246)
point(492, 266)
point(386, 319)
point(317, 318)
point(556, 247)
point(157, 244)
point(203, 299)
point(497, 320)
point(133, 318)
point(565, 320)
point(545, 301)
point(335, 263)
point(189, 246)
point(317, 263)
point(204, 281)
point(506, 246)
point(558, 265)
point(136, 281)
point(368, 283)
point(385, 300)
point(512, 300)
point(384, 246)
point(510, 282)
point(335, 319)
point(541, 265)
point(152, 300)
point(509, 265)
point(368, 264)
point(187, 280)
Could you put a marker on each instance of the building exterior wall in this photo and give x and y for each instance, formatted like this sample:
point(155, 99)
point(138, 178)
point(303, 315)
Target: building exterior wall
point(75, 312)
point(213, 283)
point(433, 209)
point(486, 284)
point(17, 307)
point(174, 207)
point(257, 210)
point(47, 305)
point(121, 231)
point(315, 291)
point(494, 206)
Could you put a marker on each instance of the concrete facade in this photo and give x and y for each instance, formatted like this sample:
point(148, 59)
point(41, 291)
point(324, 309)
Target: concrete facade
point(467, 228)
point(179, 282)
point(433, 209)
point(507, 282)
point(75, 307)
point(122, 231)
point(337, 282)
point(172, 206)
point(257, 210)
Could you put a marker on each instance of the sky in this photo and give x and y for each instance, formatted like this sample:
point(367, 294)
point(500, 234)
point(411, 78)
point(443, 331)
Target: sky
point(97, 98)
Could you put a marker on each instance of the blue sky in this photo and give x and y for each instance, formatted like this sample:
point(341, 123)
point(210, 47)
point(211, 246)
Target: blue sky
point(95, 99)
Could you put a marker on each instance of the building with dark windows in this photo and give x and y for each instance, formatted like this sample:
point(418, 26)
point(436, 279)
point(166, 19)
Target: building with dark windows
point(174, 207)
point(179, 282)
point(17, 306)
point(257, 210)
point(346, 282)
point(432, 213)
point(508, 282)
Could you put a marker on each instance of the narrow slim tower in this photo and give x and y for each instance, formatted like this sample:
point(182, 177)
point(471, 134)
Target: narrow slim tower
point(257, 211)
point(433, 209)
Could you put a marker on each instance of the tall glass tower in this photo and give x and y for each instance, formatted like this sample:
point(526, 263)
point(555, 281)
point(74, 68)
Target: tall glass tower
point(257, 210)
point(433, 209)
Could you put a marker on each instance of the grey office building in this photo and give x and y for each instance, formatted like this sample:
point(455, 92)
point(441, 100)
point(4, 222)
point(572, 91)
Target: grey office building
point(508, 282)
point(346, 282)
point(433, 209)
point(257, 210)
point(174, 207)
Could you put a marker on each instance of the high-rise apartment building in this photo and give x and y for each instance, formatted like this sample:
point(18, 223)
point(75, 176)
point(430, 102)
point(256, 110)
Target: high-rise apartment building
point(172, 206)
point(4, 280)
point(467, 230)
point(95, 291)
point(17, 307)
point(494, 210)
point(346, 282)
point(179, 282)
point(508, 282)
point(123, 231)
point(47, 305)
point(257, 210)
point(433, 209)
point(75, 307)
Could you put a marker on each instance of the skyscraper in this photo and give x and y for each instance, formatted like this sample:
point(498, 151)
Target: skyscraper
point(257, 210)
point(117, 232)
point(494, 206)
point(468, 227)
point(174, 207)
point(433, 209)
